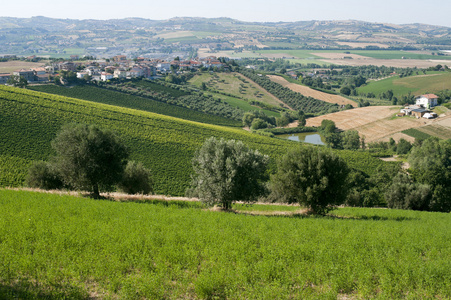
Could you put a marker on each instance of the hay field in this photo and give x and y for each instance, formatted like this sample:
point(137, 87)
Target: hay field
point(11, 66)
point(309, 92)
point(374, 122)
point(174, 35)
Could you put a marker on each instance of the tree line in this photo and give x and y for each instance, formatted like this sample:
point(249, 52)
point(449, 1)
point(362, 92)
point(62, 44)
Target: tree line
point(224, 171)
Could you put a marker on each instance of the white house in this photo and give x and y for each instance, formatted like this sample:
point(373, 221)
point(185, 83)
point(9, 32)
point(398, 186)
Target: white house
point(427, 101)
point(106, 76)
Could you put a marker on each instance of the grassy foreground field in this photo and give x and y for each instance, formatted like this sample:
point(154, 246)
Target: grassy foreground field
point(30, 120)
point(59, 246)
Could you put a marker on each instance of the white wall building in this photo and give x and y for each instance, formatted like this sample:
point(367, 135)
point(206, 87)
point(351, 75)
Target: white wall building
point(427, 101)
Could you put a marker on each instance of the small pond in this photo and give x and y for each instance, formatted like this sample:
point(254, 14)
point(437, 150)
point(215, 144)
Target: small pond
point(306, 137)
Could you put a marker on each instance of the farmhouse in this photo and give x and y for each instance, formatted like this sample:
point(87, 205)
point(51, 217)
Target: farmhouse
point(419, 112)
point(4, 77)
point(427, 101)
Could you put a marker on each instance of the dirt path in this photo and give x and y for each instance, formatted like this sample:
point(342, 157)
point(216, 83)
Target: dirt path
point(309, 92)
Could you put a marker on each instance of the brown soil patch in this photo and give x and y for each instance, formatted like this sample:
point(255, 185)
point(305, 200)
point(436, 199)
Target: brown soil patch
point(262, 90)
point(11, 66)
point(308, 92)
point(373, 122)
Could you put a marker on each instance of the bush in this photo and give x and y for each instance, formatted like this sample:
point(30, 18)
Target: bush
point(311, 176)
point(405, 194)
point(43, 175)
point(136, 180)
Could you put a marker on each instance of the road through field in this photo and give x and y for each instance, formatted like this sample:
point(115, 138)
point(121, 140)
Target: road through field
point(308, 92)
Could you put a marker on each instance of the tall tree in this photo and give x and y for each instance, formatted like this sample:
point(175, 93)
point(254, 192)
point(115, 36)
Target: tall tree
point(311, 176)
point(227, 171)
point(89, 158)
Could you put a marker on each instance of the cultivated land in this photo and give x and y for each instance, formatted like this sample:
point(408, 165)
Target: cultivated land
point(166, 145)
point(237, 85)
point(59, 246)
point(14, 65)
point(309, 92)
point(375, 122)
point(417, 84)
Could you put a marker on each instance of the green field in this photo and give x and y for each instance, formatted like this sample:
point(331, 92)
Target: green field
point(65, 247)
point(30, 120)
point(111, 97)
point(236, 85)
point(417, 84)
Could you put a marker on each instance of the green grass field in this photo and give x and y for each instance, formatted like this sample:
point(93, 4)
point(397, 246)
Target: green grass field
point(64, 247)
point(417, 84)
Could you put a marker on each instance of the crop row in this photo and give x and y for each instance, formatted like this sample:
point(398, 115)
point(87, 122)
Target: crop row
point(293, 99)
point(416, 133)
point(111, 97)
point(30, 120)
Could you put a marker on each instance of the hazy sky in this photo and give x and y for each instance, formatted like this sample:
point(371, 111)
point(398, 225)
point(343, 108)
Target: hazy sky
point(434, 12)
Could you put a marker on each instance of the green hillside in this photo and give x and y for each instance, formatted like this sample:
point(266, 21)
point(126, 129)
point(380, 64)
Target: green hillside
point(102, 95)
point(65, 247)
point(417, 85)
point(30, 120)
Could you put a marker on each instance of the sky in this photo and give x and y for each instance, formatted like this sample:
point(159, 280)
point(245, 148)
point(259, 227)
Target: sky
point(433, 12)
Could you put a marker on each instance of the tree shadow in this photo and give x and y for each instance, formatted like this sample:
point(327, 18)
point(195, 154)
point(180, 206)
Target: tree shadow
point(25, 290)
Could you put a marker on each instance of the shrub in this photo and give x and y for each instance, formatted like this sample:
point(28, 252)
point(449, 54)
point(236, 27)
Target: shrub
point(44, 176)
point(136, 180)
point(311, 176)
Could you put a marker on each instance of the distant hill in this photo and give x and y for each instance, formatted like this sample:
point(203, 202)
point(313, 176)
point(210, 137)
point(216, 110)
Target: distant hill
point(26, 36)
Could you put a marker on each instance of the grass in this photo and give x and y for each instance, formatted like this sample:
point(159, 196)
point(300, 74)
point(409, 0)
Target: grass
point(59, 246)
point(234, 84)
point(437, 130)
point(244, 105)
point(417, 85)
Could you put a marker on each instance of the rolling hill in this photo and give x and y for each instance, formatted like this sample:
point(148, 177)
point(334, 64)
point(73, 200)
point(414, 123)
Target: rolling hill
point(30, 120)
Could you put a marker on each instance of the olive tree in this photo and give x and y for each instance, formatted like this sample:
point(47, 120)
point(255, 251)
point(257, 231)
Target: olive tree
point(312, 177)
point(89, 158)
point(227, 171)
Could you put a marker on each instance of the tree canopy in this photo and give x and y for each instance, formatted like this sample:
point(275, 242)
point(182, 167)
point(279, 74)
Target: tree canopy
point(89, 158)
point(311, 176)
point(226, 171)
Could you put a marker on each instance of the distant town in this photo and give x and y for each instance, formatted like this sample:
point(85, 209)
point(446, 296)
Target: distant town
point(119, 67)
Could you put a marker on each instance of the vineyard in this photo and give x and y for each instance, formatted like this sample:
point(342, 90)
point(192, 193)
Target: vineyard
point(293, 99)
point(138, 101)
point(66, 247)
point(30, 120)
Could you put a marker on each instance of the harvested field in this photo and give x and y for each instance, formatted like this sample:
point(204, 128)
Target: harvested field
point(11, 66)
point(373, 122)
point(437, 130)
point(334, 55)
point(308, 92)
point(173, 35)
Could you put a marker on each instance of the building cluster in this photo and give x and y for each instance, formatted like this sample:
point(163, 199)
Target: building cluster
point(118, 67)
point(422, 107)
